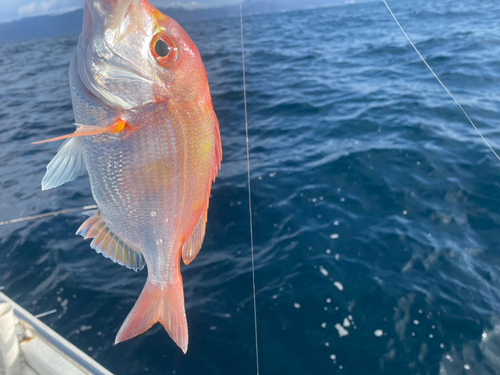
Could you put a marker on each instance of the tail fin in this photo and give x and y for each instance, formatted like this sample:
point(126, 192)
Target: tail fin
point(164, 304)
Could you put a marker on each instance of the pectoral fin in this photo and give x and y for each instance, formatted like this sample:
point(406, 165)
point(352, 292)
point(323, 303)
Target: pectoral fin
point(109, 244)
point(67, 165)
point(86, 130)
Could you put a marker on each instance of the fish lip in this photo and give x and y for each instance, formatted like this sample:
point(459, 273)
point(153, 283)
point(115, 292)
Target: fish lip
point(99, 27)
point(112, 14)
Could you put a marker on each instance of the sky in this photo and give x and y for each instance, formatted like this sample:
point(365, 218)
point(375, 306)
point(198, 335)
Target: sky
point(16, 9)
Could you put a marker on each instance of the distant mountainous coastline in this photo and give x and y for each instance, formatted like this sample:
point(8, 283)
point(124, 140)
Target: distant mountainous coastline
point(70, 23)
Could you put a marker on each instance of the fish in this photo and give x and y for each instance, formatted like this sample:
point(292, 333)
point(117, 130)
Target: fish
point(148, 136)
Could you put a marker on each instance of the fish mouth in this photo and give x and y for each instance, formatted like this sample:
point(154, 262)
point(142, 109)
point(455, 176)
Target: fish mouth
point(113, 53)
point(112, 14)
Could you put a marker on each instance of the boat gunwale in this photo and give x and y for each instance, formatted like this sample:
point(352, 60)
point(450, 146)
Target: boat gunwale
point(51, 337)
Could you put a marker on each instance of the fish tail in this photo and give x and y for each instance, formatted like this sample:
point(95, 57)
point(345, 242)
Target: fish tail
point(158, 303)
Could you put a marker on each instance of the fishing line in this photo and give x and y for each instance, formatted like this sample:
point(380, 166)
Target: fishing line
point(50, 312)
point(442, 84)
point(54, 213)
point(249, 194)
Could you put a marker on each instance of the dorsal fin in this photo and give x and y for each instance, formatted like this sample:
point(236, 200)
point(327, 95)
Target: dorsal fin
point(192, 247)
point(218, 147)
point(109, 244)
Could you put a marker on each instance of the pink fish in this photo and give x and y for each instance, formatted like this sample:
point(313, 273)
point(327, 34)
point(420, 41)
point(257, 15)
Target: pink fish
point(149, 139)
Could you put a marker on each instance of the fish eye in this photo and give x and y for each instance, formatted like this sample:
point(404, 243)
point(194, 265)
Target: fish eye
point(164, 50)
point(161, 48)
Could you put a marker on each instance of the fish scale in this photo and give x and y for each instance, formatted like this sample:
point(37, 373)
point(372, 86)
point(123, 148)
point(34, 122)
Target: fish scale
point(139, 228)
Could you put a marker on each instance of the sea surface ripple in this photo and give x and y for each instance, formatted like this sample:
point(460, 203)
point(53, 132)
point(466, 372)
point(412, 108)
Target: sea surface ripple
point(376, 204)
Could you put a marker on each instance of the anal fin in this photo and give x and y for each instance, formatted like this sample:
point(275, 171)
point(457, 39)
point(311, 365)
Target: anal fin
point(67, 165)
point(110, 245)
point(192, 247)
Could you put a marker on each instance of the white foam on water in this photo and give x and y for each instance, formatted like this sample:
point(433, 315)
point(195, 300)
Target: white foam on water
point(323, 271)
point(342, 331)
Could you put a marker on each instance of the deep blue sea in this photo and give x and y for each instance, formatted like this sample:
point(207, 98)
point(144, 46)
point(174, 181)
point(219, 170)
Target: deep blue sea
point(376, 204)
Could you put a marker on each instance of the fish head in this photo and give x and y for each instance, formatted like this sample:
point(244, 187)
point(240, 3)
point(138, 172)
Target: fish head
point(131, 55)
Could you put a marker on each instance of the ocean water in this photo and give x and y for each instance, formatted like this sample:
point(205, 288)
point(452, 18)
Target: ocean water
point(376, 204)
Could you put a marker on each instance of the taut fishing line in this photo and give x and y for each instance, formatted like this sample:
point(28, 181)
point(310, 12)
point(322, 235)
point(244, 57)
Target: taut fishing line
point(48, 214)
point(442, 84)
point(249, 194)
